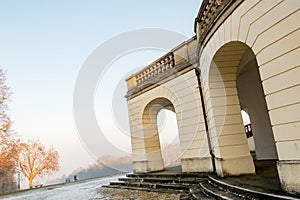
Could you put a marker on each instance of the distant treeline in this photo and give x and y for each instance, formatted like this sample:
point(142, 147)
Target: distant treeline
point(105, 166)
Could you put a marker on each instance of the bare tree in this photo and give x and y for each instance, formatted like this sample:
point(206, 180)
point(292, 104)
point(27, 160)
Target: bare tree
point(35, 160)
point(7, 162)
point(5, 122)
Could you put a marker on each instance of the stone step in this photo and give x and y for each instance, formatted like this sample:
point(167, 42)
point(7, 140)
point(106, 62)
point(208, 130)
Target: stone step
point(250, 194)
point(163, 183)
point(145, 189)
point(218, 193)
point(168, 175)
point(177, 180)
point(184, 195)
point(177, 187)
point(197, 194)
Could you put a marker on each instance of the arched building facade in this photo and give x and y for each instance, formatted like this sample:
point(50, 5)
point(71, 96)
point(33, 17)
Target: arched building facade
point(244, 56)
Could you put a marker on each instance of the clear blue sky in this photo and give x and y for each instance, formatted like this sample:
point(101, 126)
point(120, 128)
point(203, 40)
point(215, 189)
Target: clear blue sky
point(43, 44)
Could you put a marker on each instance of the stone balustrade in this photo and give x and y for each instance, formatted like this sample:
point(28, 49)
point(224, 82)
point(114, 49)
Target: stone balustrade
point(151, 71)
point(209, 16)
point(154, 69)
point(206, 14)
point(178, 60)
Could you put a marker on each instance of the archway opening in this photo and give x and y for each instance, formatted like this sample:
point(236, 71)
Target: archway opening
point(235, 85)
point(169, 137)
point(157, 134)
point(251, 98)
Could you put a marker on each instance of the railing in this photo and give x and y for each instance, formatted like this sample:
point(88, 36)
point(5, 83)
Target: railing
point(248, 130)
point(151, 71)
point(207, 12)
point(154, 69)
point(172, 64)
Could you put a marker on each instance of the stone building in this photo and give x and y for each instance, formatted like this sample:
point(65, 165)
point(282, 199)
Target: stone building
point(244, 56)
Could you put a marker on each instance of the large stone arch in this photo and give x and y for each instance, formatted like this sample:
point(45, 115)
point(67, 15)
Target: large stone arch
point(227, 133)
point(271, 30)
point(145, 143)
point(181, 95)
point(234, 84)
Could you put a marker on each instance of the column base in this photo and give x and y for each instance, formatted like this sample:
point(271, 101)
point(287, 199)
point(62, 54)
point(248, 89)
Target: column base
point(196, 165)
point(147, 166)
point(140, 166)
point(289, 175)
point(235, 166)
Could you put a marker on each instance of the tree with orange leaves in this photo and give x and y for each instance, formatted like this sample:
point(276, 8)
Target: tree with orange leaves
point(35, 160)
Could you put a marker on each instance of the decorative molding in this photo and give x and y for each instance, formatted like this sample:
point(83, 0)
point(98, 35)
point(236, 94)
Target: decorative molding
point(211, 15)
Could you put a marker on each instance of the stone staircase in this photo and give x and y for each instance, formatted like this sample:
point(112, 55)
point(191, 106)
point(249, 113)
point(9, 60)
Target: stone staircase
point(162, 182)
point(189, 186)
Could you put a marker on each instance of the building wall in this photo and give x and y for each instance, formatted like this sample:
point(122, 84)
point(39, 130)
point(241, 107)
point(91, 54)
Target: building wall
point(271, 30)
